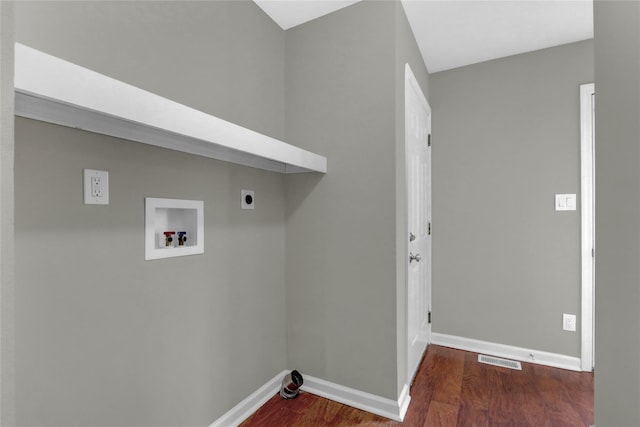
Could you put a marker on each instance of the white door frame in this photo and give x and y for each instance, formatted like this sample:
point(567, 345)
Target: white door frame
point(411, 83)
point(587, 172)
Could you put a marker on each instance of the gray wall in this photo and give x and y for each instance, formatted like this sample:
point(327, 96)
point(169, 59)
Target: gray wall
point(506, 139)
point(103, 337)
point(341, 228)
point(617, 72)
point(7, 269)
point(342, 100)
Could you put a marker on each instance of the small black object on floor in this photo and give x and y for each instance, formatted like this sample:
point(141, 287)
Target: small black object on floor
point(291, 385)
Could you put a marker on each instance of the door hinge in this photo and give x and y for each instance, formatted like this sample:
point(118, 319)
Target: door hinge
point(429, 229)
point(429, 318)
point(429, 140)
point(593, 252)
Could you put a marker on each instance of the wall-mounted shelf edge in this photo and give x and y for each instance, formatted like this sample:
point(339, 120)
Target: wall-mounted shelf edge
point(57, 91)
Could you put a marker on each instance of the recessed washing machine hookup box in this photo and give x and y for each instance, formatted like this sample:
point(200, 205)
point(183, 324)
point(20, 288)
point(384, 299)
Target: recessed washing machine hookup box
point(173, 227)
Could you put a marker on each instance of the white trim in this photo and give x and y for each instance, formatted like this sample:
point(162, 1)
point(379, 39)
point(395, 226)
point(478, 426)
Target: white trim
point(587, 190)
point(251, 403)
point(395, 410)
point(507, 351)
point(56, 91)
point(403, 402)
point(368, 402)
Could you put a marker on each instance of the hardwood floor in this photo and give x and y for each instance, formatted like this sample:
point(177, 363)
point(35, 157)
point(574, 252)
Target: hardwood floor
point(453, 389)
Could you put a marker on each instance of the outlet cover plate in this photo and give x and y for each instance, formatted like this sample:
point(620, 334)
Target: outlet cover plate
point(565, 202)
point(569, 322)
point(96, 187)
point(248, 199)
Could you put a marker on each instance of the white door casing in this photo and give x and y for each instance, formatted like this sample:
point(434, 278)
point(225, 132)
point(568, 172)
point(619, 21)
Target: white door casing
point(587, 172)
point(418, 167)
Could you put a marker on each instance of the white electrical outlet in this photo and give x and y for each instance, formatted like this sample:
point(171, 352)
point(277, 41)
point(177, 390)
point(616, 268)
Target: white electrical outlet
point(96, 187)
point(569, 322)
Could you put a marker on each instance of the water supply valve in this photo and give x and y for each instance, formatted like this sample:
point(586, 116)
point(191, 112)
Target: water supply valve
point(291, 385)
point(182, 237)
point(167, 237)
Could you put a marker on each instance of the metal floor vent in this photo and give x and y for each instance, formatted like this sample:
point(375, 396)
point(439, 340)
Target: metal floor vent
point(496, 361)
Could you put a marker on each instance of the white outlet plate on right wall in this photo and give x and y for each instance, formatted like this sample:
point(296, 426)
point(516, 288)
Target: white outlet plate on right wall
point(569, 322)
point(565, 202)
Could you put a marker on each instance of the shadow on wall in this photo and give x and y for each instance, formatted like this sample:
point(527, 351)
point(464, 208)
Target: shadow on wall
point(298, 188)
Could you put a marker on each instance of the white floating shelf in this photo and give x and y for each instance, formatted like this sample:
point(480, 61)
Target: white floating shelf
point(56, 91)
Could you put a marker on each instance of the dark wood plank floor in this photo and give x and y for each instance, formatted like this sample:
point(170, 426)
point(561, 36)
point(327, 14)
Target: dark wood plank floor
point(453, 389)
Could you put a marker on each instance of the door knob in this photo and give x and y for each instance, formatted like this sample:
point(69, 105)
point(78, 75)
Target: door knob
point(416, 257)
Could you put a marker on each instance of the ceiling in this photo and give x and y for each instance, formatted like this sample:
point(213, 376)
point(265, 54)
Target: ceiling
point(454, 33)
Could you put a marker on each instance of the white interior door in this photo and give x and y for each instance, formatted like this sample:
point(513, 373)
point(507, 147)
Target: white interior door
point(418, 149)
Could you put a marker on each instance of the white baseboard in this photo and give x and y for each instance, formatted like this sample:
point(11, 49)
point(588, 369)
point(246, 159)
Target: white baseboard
point(368, 402)
point(403, 402)
point(507, 351)
point(387, 408)
point(251, 403)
